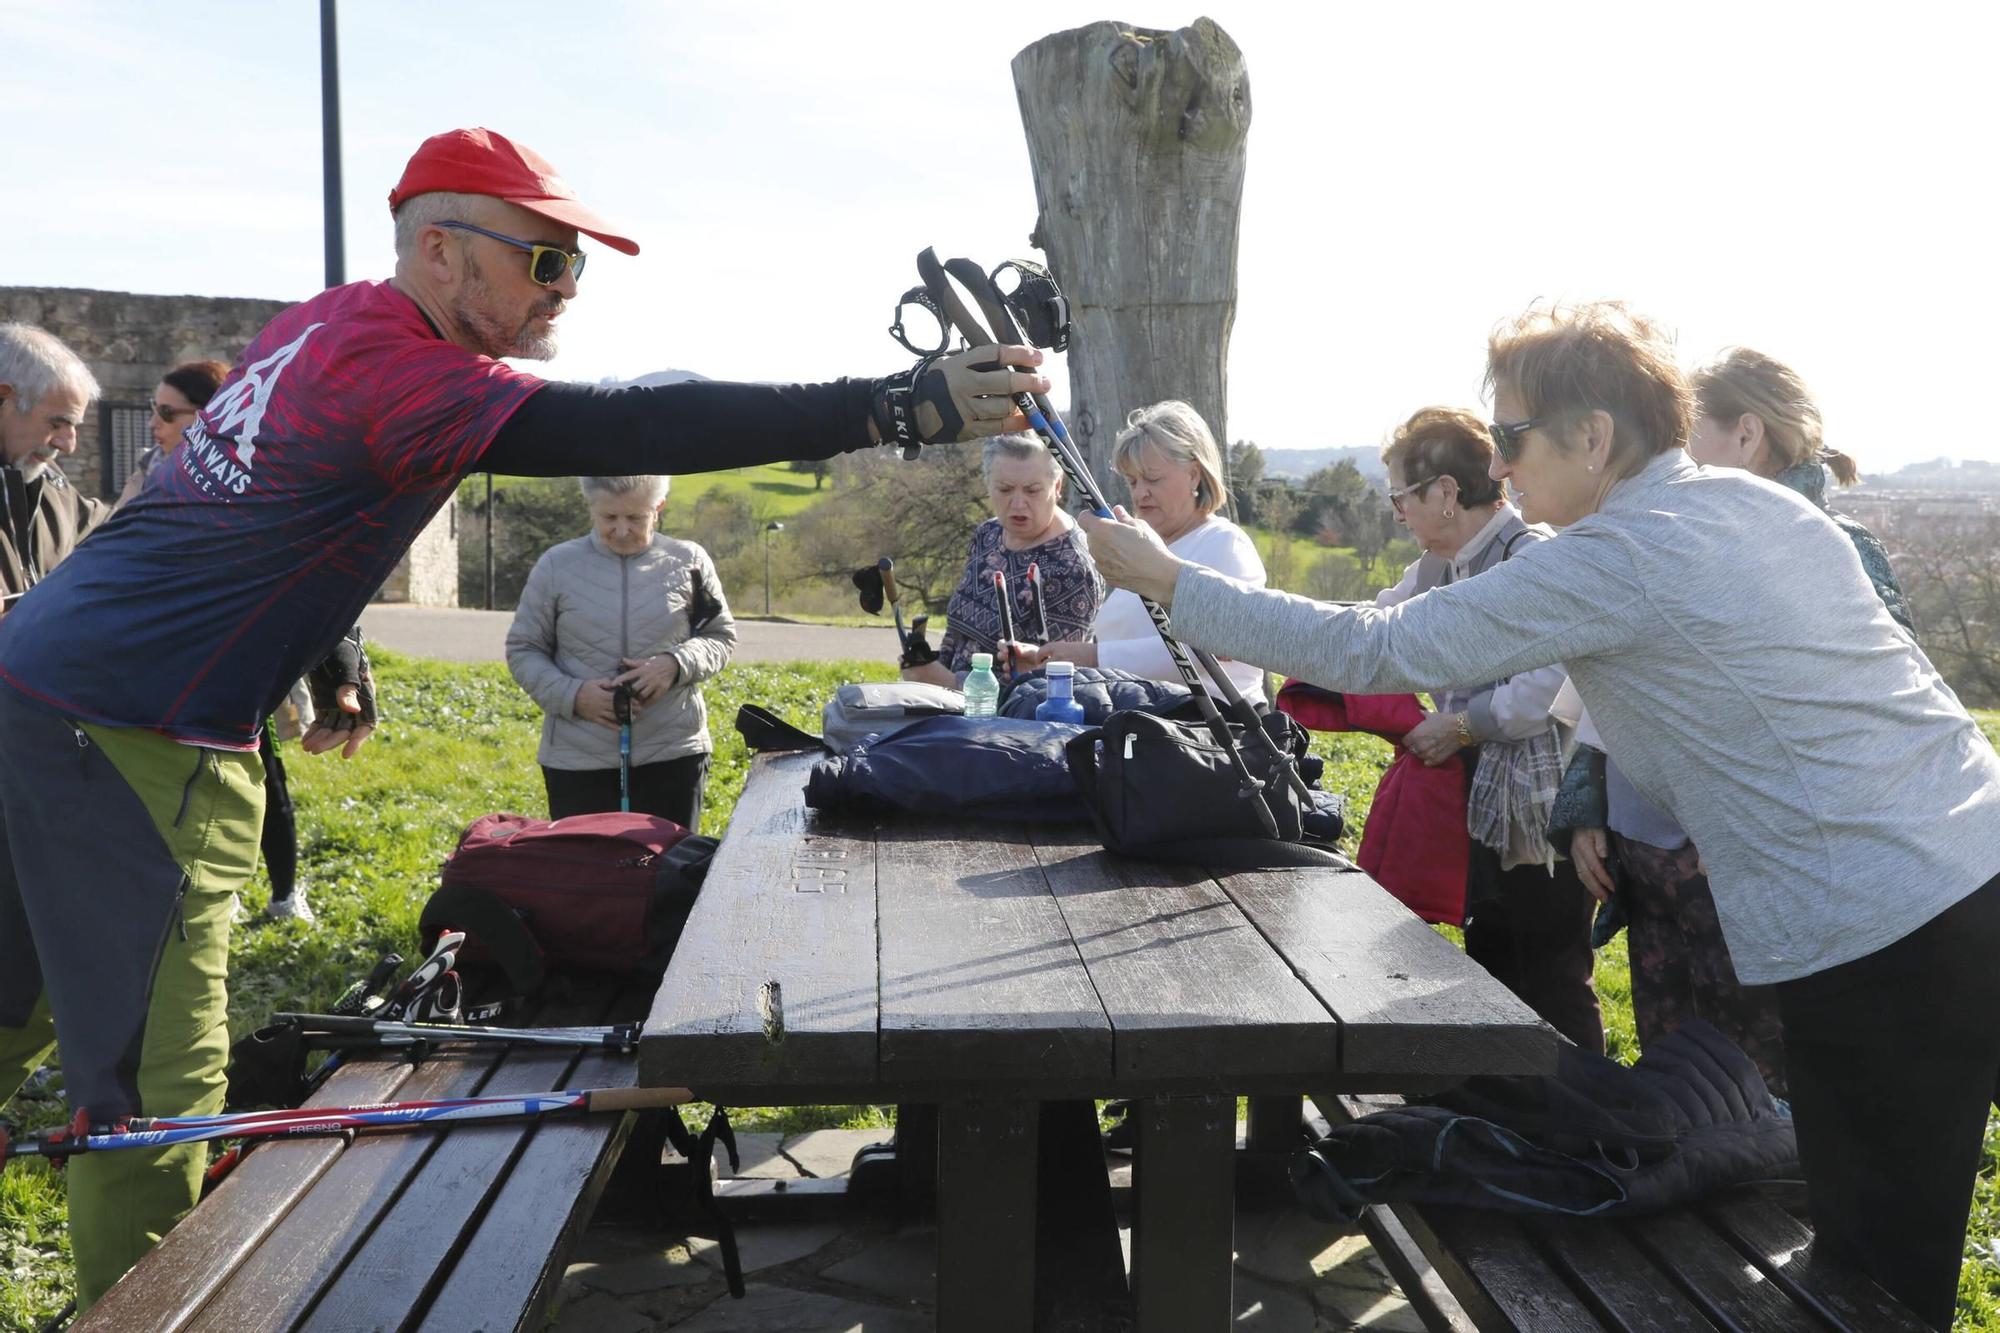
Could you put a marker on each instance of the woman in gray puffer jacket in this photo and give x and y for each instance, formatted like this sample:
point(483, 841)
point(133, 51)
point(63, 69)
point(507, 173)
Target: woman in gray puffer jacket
point(628, 606)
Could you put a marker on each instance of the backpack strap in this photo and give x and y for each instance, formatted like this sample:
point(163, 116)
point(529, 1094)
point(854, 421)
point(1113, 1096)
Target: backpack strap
point(763, 730)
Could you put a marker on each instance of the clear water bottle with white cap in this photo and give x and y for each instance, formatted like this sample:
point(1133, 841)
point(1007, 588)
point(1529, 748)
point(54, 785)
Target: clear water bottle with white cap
point(982, 688)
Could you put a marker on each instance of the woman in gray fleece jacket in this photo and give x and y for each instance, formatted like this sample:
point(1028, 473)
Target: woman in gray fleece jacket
point(1748, 680)
point(624, 605)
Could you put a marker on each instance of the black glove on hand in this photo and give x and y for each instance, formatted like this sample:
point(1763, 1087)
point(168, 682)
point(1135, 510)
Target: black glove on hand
point(347, 664)
point(943, 399)
point(916, 649)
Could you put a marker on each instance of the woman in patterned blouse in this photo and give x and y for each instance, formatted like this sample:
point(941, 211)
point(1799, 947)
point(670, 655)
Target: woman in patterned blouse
point(1028, 527)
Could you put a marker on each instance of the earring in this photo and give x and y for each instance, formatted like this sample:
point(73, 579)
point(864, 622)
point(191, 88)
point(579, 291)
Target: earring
point(1449, 512)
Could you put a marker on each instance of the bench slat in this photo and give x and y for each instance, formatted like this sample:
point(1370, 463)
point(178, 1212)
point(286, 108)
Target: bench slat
point(782, 878)
point(1782, 1246)
point(544, 1205)
point(1190, 986)
point(1734, 1293)
point(406, 1255)
point(194, 1259)
point(1410, 1004)
point(1490, 1263)
point(980, 979)
point(1631, 1293)
point(275, 1285)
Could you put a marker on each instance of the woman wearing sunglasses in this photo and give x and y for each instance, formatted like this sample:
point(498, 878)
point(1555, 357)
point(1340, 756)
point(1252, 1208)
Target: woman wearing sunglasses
point(181, 393)
point(1755, 414)
point(1747, 678)
point(1527, 918)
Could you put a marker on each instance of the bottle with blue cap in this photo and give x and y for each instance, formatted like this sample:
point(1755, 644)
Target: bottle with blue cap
point(982, 688)
point(1061, 704)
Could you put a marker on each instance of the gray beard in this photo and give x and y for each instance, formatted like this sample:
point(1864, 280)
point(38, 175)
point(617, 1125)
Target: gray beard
point(495, 339)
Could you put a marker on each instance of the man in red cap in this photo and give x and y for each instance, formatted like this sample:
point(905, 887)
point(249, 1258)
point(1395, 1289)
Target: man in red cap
point(133, 680)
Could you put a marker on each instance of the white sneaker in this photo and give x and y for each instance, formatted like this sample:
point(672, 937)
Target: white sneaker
point(294, 908)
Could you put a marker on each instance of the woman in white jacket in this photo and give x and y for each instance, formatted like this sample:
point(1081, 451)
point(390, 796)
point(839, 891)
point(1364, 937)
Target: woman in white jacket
point(623, 605)
point(1169, 459)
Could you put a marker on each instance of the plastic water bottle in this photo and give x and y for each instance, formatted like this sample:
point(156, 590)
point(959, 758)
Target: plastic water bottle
point(982, 688)
point(1061, 705)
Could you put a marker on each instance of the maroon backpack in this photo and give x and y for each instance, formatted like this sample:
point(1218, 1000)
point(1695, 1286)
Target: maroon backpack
point(607, 893)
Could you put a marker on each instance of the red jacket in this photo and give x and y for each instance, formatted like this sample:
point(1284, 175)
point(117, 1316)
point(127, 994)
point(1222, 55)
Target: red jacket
point(1415, 844)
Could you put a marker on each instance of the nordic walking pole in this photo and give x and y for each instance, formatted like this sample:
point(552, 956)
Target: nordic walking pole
point(1038, 411)
point(1006, 619)
point(621, 706)
point(887, 568)
point(994, 305)
point(622, 1037)
point(312, 1121)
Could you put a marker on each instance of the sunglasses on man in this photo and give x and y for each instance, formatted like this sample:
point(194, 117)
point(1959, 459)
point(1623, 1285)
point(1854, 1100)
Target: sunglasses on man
point(1507, 437)
point(545, 262)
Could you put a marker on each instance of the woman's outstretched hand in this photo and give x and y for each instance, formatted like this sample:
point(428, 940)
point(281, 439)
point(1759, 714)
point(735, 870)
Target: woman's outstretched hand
point(1131, 555)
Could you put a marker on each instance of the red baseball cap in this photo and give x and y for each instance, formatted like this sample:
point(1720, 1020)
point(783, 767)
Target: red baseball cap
point(484, 162)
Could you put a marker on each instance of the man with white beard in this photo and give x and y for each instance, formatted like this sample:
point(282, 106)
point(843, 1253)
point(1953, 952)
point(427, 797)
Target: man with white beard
point(44, 391)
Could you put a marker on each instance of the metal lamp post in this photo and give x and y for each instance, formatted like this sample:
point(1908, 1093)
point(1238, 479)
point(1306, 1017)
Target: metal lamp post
point(769, 528)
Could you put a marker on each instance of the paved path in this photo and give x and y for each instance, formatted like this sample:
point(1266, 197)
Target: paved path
point(481, 636)
point(861, 1274)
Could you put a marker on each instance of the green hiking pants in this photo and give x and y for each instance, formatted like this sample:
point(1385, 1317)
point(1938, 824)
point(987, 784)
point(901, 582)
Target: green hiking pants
point(130, 927)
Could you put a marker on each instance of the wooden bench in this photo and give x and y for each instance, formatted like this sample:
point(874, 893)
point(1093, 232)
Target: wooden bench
point(1738, 1262)
point(434, 1229)
point(1004, 974)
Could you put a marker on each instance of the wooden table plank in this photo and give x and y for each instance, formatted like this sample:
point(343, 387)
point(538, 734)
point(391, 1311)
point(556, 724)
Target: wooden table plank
point(1411, 1005)
point(1188, 984)
point(980, 980)
point(274, 1286)
point(197, 1257)
point(789, 898)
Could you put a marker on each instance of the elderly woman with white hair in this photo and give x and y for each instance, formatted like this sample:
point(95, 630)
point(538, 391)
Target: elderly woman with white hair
point(1028, 531)
point(623, 605)
point(1169, 460)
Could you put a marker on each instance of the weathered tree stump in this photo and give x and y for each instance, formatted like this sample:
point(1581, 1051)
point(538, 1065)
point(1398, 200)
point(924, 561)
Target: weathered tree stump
point(1136, 137)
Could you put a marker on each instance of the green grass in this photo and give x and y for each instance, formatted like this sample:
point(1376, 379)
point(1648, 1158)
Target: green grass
point(773, 490)
point(460, 741)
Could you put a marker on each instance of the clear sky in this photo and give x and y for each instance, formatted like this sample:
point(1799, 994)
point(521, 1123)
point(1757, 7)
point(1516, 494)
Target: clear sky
point(1813, 180)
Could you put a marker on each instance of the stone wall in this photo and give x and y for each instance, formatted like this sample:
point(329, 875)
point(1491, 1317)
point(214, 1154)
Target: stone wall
point(128, 340)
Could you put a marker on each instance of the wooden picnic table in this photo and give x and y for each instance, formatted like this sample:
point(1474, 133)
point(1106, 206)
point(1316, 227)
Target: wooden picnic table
point(993, 969)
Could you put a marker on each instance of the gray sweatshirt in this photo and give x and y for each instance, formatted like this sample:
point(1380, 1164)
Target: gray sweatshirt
point(1742, 672)
point(582, 610)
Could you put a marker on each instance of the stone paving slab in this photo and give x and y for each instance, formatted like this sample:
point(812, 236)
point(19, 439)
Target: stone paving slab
point(901, 1269)
point(770, 1245)
point(826, 1153)
point(772, 1309)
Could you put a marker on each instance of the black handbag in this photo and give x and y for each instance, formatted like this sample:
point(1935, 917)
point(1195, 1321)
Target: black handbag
point(1162, 789)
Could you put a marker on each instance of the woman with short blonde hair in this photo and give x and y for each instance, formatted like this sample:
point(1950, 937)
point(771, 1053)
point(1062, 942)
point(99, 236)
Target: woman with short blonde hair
point(1169, 460)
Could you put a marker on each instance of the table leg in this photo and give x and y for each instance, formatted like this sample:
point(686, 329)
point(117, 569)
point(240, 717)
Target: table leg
point(1274, 1125)
point(986, 1216)
point(1184, 1213)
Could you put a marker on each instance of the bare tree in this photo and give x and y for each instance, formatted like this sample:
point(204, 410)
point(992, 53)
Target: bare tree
point(1136, 139)
point(1951, 573)
point(921, 514)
